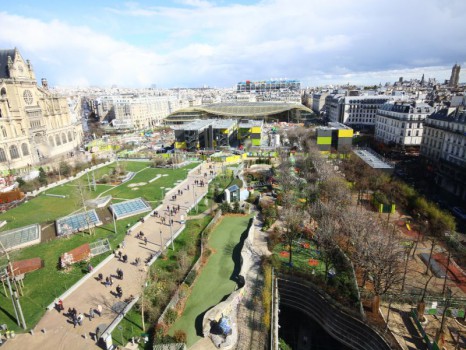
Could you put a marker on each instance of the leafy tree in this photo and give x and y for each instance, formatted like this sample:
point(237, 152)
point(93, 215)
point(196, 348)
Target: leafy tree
point(42, 176)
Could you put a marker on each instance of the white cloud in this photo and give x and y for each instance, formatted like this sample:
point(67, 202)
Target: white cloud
point(196, 42)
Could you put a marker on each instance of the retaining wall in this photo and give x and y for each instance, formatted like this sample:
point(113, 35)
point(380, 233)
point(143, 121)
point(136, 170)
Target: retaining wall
point(306, 298)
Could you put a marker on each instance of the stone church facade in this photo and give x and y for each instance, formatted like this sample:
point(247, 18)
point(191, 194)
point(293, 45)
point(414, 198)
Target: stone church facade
point(35, 124)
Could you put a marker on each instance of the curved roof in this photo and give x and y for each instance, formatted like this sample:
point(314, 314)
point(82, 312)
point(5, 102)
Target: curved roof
point(247, 109)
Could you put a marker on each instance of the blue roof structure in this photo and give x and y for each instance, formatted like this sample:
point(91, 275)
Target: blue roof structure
point(77, 222)
point(129, 208)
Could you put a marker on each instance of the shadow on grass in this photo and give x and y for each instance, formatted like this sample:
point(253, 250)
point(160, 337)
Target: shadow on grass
point(10, 316)
point(238, 261)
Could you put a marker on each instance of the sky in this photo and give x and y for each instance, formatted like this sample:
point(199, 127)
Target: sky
point(194, 43)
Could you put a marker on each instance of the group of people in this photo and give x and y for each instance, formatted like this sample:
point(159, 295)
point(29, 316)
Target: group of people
point(199, 182)
point(76, 317)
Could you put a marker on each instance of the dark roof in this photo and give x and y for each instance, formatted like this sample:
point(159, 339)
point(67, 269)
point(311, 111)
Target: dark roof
point(4, 62)
point(457, 115)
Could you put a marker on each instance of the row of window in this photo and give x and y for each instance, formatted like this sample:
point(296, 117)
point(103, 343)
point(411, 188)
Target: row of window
point(63, 139)
point(14, 152)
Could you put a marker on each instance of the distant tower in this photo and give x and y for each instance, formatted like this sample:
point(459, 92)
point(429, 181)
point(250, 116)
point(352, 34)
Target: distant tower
point(455, 75)
point(422, 80)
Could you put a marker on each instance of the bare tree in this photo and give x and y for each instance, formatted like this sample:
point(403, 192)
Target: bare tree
point(292, 218)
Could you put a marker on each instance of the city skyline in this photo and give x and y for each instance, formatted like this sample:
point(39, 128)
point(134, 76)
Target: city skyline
point(191, 43)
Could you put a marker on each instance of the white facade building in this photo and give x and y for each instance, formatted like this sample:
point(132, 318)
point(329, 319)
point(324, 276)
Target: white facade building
point(401, 123)
point(444, 147)
point(145, 111)
point(357, 111)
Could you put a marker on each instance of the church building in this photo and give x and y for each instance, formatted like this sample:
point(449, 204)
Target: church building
point(35, 124)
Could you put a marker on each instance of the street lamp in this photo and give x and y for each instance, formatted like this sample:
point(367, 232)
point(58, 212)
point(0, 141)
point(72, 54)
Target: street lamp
point(171, 235)
point(114, 220)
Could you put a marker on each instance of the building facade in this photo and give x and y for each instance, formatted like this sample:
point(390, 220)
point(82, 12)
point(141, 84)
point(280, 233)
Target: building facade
point(401, 123)
point(455, 75)
point(357, 111)
point(142, 112)
point(35, 124)
point(444, 148)
point(268, 86)
point(335, 136)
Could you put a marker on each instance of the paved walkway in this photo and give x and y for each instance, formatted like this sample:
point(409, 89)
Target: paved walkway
point(59, 331)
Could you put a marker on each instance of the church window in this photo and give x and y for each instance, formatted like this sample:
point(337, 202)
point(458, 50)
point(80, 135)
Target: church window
point(14, 152)
point(51, 141)
point(25, 149)
point(57, 140)
point(70, 137)
point(63, 138)
point(2, 155)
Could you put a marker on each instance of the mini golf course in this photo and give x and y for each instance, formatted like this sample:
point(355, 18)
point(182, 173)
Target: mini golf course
point(217, 278)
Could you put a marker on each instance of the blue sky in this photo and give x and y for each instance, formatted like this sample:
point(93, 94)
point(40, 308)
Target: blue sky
point(191, 43)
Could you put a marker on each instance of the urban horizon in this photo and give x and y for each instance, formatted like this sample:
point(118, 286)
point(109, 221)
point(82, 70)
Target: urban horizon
point(195, 43)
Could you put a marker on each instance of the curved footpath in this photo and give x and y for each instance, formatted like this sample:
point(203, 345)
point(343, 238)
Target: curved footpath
point(55, 331)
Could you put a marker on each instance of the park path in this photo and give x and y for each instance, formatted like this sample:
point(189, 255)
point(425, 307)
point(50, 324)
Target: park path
point(55, 331)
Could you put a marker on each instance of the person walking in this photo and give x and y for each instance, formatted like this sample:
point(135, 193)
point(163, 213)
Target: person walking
point(80, 319)
point(91, 314)
point(145, 240)
point(110, 280)
point(60, 305)
point(75, 321)
point(99, 310)
point(107, 281)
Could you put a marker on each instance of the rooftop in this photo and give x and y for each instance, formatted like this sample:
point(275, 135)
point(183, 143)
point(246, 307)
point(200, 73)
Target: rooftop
point(372, 159)
point(247, 109)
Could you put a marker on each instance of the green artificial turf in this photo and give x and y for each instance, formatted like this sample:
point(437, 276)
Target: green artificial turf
point(214, 282)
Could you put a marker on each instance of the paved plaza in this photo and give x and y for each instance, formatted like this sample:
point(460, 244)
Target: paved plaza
point(56, 331)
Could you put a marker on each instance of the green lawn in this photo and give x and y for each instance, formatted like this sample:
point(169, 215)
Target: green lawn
point(44, 285)
point(47, 209)
point(300, 256)
point(215, 281)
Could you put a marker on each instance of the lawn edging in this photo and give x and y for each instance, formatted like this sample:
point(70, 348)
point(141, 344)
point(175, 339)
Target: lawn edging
point(81, 281)
point(69, 179)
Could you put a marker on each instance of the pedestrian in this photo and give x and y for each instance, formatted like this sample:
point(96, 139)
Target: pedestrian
point(119, 291)
point(178, 207)
point(80, 319)
point(107, 281)
point(74, 313)
point(99, 310)
point(121, 274)
point(91, 314)
point(168, 207)
point(119, 255)
point(123, 244)
point(75, 321)
point(110, 280)
point(145, 240)
point(60, 305)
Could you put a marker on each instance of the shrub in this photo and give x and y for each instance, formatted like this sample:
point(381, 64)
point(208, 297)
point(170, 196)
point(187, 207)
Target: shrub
point(180, 336)
point(170, 316)
point(190, 277)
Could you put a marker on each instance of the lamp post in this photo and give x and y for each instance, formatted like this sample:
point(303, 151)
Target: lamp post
point(171, 235)
point(114, 220)
point(161, 240)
